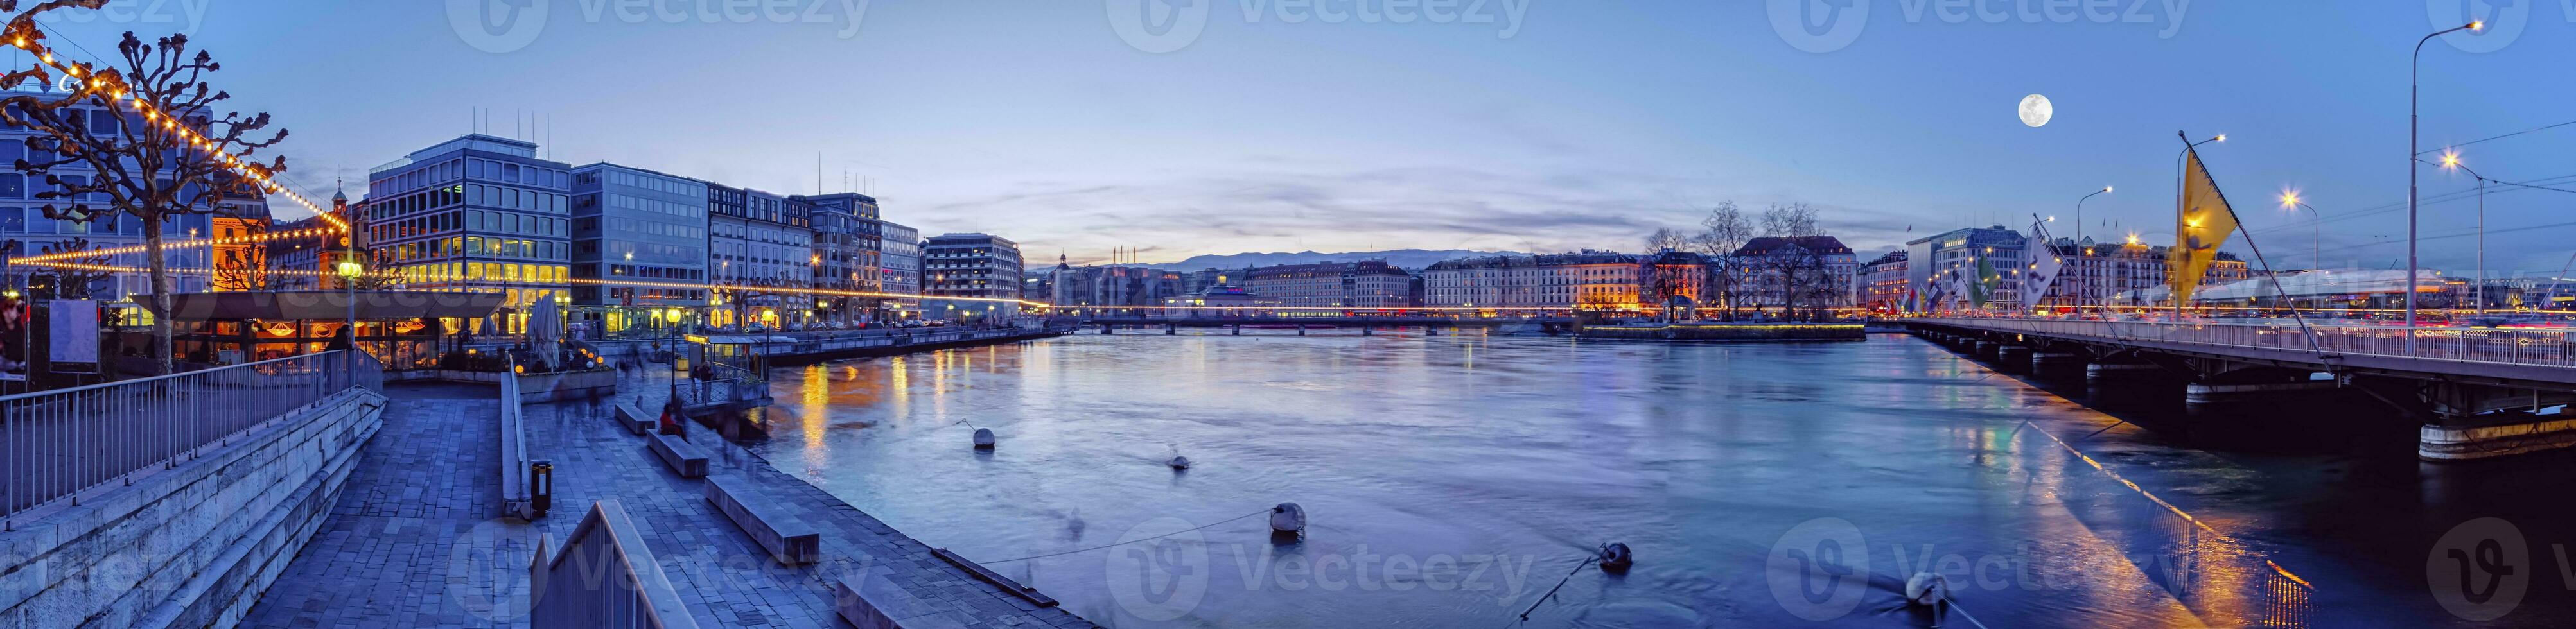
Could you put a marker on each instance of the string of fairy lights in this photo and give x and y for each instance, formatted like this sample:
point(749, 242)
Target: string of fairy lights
point(111, 89)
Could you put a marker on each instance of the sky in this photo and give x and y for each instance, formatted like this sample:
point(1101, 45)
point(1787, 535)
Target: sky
point(1183, 127)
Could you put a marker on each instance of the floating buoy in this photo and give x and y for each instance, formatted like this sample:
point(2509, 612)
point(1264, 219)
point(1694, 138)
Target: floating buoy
point(1615, 557)
point(983, 438)
point(1180, 463)
point(1288, 518)
point(1927, 589)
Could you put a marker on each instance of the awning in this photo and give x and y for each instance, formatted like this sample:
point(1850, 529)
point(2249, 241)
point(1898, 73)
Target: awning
point(331, 304)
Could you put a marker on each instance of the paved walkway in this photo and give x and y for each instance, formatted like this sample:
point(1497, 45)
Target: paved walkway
point(417, 539)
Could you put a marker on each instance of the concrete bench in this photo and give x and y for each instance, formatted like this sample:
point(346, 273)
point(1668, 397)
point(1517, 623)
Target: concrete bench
point(787, 539)
point(873, 602)
point(683, 457)
point(634, 419)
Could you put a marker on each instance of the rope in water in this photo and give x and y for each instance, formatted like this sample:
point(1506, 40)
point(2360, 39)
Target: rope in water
point(1560, 584)
point(1083, 550)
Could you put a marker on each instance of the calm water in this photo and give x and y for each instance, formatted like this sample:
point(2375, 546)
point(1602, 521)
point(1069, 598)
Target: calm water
point(1452, 480)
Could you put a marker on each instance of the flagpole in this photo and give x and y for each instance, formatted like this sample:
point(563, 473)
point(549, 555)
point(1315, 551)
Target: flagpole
point(2173, 283)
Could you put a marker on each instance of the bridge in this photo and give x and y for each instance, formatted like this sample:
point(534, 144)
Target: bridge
point(2478, 392)
point(1319, 321)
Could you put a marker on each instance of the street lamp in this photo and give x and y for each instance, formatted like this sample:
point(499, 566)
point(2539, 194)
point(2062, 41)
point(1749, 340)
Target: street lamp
point(2414, 96)
point(2451, 160)
point(349, 272)
point(2079, 212)
point(2316, 246)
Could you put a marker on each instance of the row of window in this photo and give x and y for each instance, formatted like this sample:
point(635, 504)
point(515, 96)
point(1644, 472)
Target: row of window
point(482, 271)
point(453, 246)
point(425, 175)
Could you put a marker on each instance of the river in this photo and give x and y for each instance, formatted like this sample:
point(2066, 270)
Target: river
point(1453, 480)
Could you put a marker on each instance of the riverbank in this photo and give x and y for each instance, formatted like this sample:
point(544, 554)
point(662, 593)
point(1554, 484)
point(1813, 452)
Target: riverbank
point(1728, 332)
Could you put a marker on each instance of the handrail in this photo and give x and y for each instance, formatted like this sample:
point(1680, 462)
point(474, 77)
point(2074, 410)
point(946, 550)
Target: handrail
point(605, 576)
point(514, 446)
point(2499, 346)
point(56, 444)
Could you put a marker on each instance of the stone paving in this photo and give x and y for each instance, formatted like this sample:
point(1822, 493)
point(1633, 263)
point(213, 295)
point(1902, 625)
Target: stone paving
point(417, 540)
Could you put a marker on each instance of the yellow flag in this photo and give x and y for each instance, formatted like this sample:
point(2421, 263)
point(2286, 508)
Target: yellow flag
point(2206, 223)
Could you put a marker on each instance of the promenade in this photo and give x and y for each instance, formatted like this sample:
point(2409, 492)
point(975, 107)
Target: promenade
point(417, 538)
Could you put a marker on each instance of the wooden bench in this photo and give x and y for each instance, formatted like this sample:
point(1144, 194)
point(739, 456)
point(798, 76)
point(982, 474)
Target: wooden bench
point(683, 457)
point(873, 602)
point(787, 539)
point(634, 419)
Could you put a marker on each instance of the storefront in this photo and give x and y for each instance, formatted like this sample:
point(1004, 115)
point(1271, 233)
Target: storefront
point(404, 329)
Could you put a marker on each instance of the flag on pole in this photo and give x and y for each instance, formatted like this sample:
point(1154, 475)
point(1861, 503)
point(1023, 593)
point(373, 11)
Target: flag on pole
point(2043, 267)
point(2206, 221)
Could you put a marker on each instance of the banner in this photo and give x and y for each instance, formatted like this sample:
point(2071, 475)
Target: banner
point(2205, 223)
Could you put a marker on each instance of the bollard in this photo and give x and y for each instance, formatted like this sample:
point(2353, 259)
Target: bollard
point(541, 487)
point(1238, 329)
point(1301, 329)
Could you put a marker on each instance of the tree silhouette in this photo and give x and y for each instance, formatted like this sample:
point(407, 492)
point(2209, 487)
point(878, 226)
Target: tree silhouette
point(68, 274)
point(244, 267)
point(155, 156)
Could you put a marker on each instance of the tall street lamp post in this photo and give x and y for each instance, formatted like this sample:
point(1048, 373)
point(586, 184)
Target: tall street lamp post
point(2451, 160)
point(2316, 246)
point(2414, 98)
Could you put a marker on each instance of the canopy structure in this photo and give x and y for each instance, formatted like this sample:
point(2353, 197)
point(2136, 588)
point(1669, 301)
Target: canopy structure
point(328, 304)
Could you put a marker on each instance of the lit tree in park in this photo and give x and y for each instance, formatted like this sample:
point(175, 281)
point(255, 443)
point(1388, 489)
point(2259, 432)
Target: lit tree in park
point(163, 155)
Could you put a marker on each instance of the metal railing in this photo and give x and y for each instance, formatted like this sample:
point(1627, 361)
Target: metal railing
point(2511, 346)
point(56, 444)
point(603, 577)
point(514, 446)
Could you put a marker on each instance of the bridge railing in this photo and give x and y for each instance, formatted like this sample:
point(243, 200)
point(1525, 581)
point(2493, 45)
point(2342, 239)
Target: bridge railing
point(2514, 346)
point(56, 444)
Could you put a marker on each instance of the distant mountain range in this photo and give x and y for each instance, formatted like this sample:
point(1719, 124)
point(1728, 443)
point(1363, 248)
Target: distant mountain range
point(1406, 258)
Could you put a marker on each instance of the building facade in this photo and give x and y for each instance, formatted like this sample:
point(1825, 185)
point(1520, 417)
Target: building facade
point(1589, 280)
point(1324, 289)
point(641, 235)
point(1807, 272)
point(1880, 283)
point(849, 253)
point(900, 265)
point(477, 213)
point(971, 265)
point(759, 243)
point(1946, 270)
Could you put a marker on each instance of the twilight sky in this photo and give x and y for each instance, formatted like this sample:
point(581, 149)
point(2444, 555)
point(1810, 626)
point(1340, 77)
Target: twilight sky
point(1492, 124)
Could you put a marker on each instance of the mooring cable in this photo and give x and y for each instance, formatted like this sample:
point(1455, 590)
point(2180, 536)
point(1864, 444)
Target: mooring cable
point(1132, 541)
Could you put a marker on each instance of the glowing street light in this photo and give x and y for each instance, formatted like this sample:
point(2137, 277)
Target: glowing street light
point(2414, 114)
point(2316, 246)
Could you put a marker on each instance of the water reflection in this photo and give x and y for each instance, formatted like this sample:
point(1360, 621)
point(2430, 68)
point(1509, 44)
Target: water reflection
point(1513, 458)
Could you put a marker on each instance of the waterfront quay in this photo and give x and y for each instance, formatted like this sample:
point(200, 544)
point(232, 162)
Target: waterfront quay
point(322, 491)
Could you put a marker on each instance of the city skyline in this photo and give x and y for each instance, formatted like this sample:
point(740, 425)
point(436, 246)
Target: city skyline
point(1498, 136)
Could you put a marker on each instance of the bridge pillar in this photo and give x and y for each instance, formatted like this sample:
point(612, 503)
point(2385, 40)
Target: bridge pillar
point(1171, 329)
point(1368, 330)
point(2012, 358)
point(2480, 422)
point(2130, 385)
point(1987, 349)
point(2057, 365)
point(2295, 414)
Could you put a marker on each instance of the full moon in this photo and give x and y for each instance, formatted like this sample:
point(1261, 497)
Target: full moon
point(2035, 110)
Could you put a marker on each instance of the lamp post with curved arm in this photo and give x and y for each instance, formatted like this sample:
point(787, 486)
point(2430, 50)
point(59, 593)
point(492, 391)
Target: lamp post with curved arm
point(2316, 244)
point(2414, 96)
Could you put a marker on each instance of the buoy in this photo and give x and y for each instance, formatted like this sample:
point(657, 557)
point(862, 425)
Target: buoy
point(1615, 558)
point(1180, 463)
point(1368, 331)
point(983, 438)
point(1288, 518)
point(1430, 331)
point(1301, 329)
point(1927, 589)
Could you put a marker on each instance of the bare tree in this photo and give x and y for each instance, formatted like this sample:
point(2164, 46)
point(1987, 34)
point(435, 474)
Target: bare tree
point(1721, 235)
point(70, 275)
point(154, 156)
point(1795, 271)
point(1664, 239)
